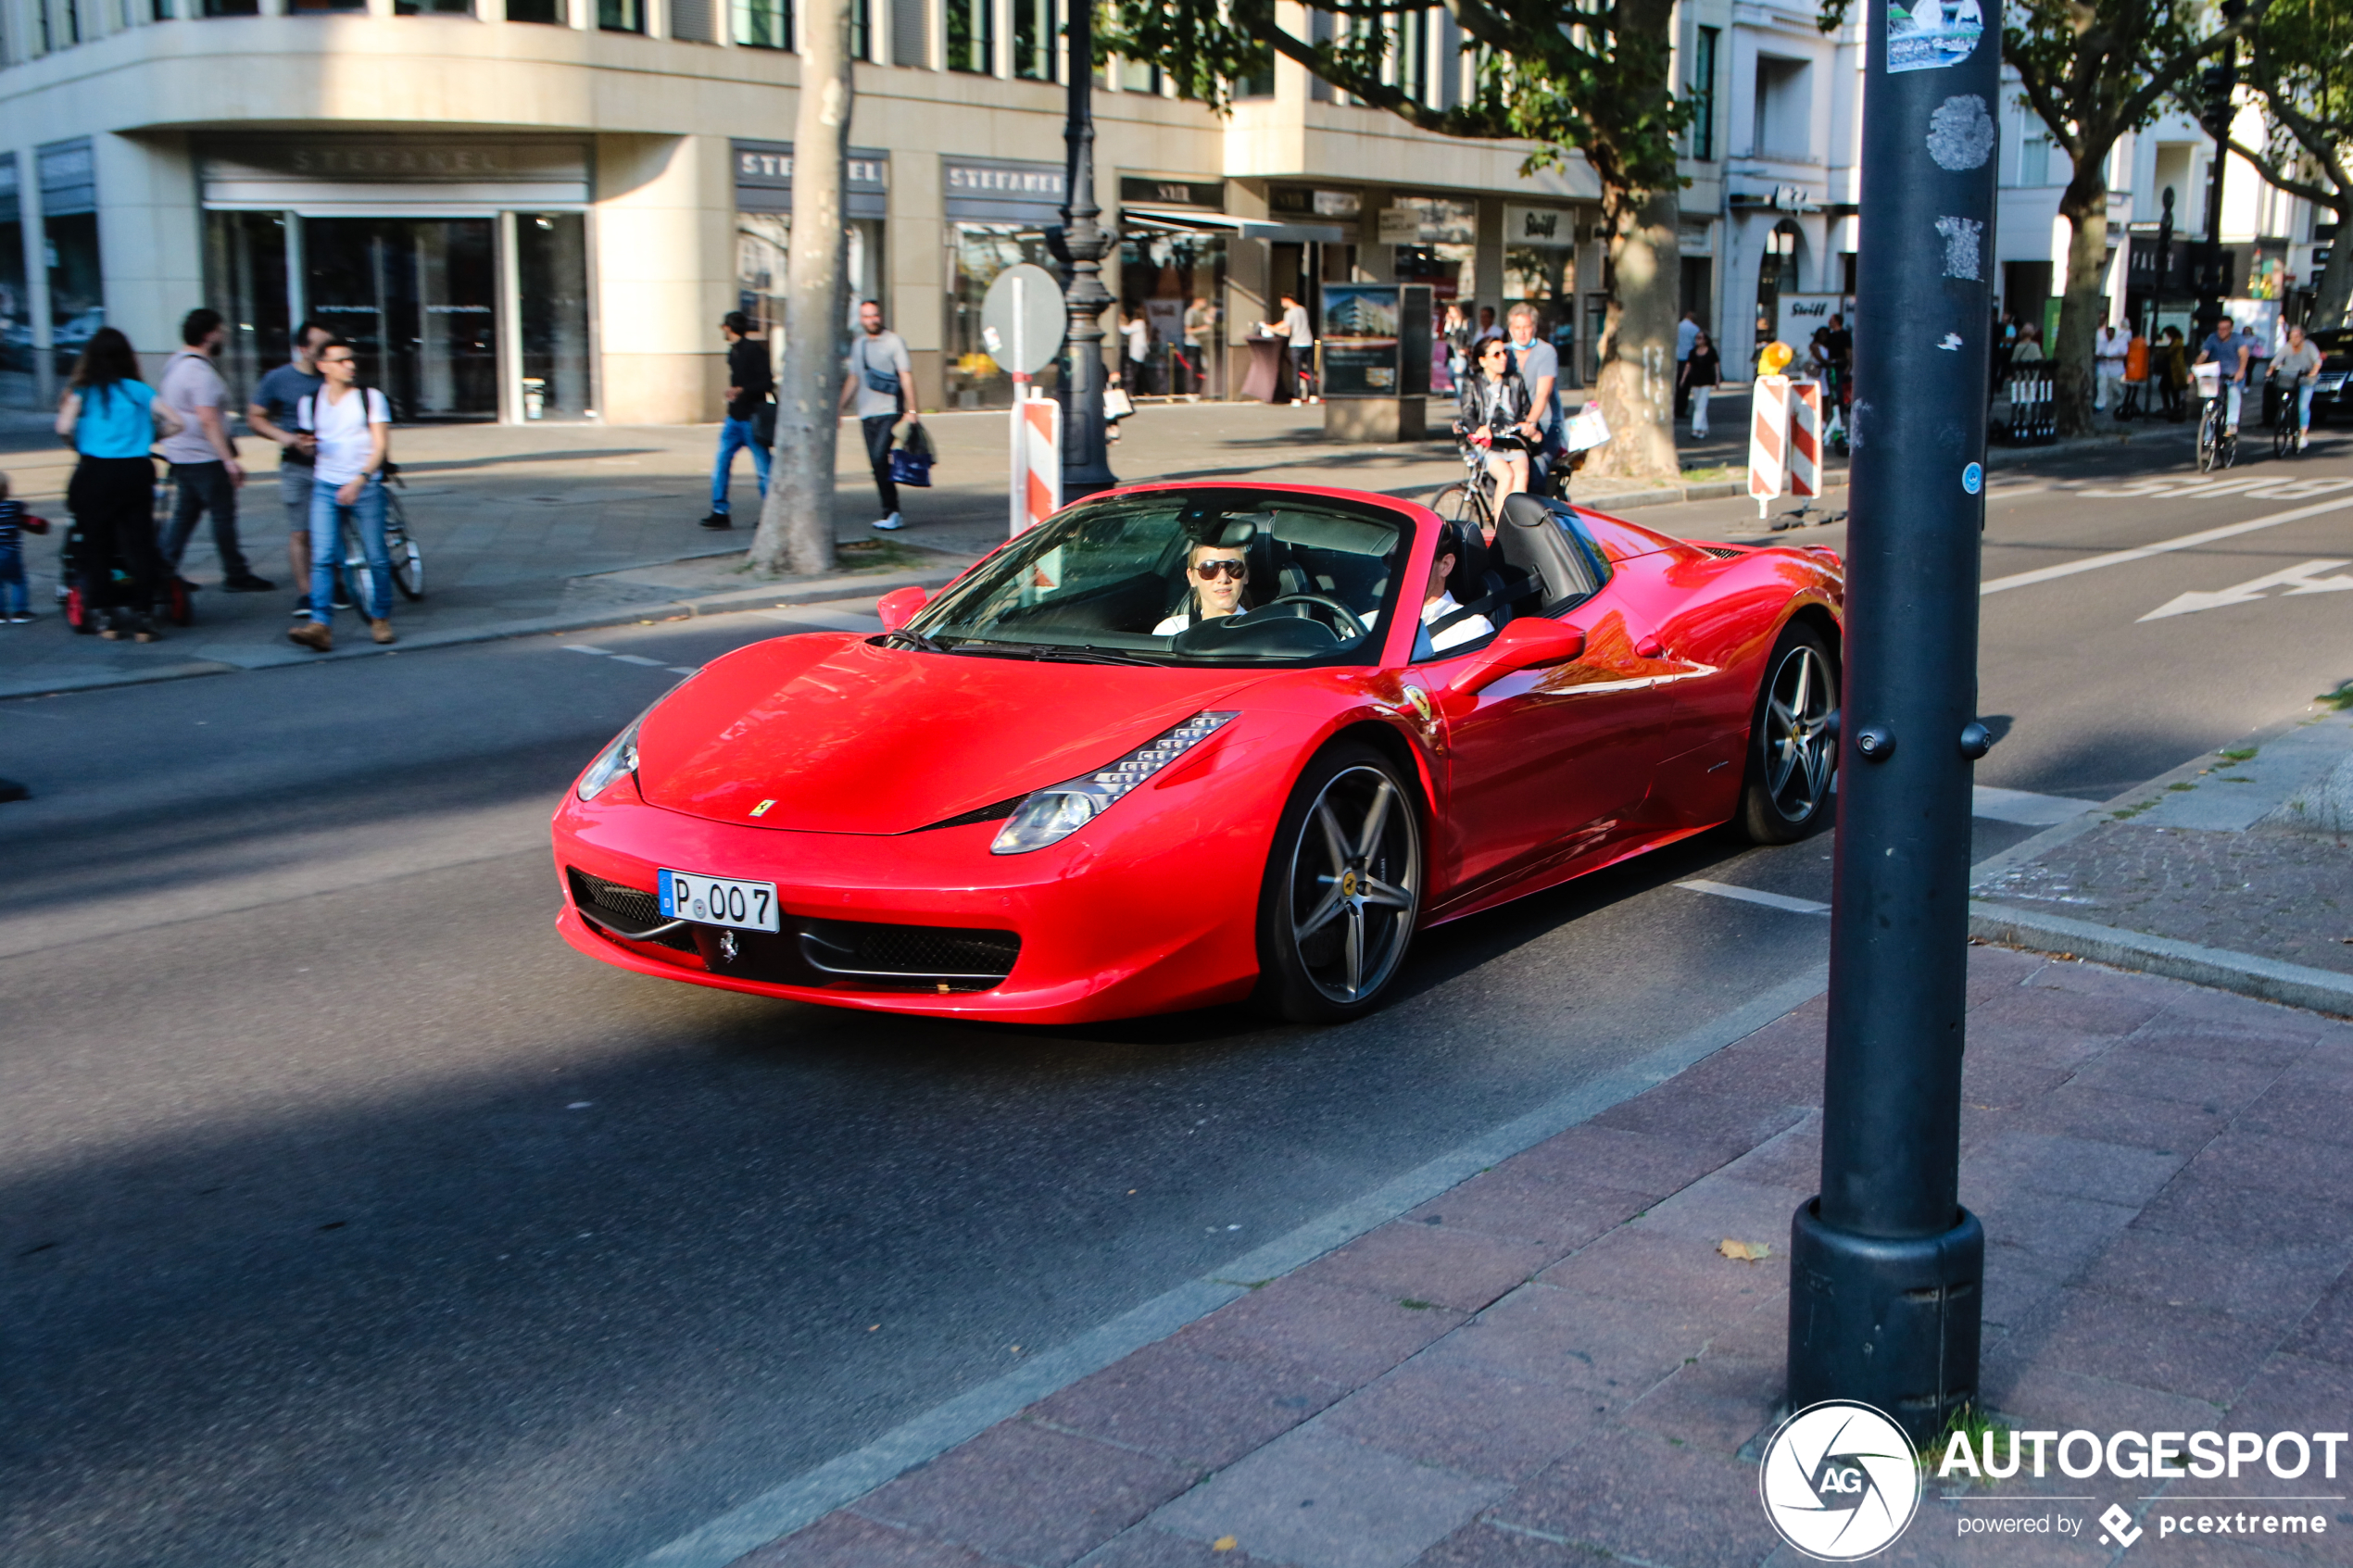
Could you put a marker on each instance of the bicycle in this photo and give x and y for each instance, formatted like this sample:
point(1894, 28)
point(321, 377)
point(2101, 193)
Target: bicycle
point(1469, 501)
point(2287, 425)
point(2218, 445)
point(407, 561)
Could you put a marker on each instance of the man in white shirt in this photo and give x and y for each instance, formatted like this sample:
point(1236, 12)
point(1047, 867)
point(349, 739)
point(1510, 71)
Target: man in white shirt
point(2108, 364)
point(1437, 604)
point(352, 425)
point(1299, 333)
point(881, 388)
point(1686, 334)
point(203, 457)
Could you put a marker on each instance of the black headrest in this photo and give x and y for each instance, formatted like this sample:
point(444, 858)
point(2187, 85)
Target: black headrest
point(1534, 539)
point(1524, 510)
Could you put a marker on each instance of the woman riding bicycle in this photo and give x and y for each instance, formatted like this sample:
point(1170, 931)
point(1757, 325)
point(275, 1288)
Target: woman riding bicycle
point(2297, 373)
point(1497, 416)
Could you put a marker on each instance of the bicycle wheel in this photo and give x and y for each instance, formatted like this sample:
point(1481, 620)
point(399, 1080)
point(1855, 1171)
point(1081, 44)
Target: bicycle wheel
point(408, 568)
point(2209, 439)
point(2282, 438)
point(1459, 503)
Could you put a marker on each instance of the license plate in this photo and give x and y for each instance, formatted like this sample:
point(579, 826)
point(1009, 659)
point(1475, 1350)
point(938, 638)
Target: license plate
point(718, 900)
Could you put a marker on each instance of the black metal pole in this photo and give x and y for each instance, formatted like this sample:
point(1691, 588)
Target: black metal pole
point(1085, 468)
point(1886, 1267)
point(2221, 81)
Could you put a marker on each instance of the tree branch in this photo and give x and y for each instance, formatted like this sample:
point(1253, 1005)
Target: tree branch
point(2279, 178)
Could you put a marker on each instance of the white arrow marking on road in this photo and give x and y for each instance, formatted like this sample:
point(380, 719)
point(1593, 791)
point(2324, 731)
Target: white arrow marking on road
point(2304, 579)
point(2163, 546)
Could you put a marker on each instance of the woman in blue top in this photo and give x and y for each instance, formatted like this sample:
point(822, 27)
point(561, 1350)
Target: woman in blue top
point(112, 418)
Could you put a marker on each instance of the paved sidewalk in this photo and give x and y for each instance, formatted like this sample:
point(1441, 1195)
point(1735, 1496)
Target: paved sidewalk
point(2242, 859)
point(1558, 1361)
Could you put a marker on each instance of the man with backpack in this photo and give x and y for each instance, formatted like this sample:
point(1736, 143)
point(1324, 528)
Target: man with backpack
point(751, 412)
point(881, 385)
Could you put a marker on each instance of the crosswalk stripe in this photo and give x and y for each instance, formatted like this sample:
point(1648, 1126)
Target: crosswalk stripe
point(2023, 807)
point(1751, 895)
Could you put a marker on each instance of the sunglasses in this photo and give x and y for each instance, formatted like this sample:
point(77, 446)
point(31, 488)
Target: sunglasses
point(1495, 353)
point(1211, 570)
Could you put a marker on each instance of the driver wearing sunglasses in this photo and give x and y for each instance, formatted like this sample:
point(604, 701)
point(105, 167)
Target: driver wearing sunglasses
point(1217, 573)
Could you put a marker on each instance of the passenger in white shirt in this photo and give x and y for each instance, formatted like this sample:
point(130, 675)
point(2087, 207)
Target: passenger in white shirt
point(1437, 604)
point(1217, 573)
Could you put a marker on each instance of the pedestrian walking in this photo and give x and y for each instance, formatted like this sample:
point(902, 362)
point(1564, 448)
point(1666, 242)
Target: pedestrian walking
point(2029, 350)
point(1686, 334)
point(1298, 336)
point(1538, 365)
point(2172, 372)
point(751, 413)
point(2108, 347)
point(1703, 372)
point(203, 455)
point(15, 521)
point(1200, 332)
point(881, 387)
point(112, 418)
point(2136, 376)
point(352, 426)
point(1136, 332)
point(272, 416)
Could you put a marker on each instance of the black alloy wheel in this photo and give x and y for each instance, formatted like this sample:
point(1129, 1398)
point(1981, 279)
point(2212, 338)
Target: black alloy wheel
point(1343, 888)
point(1792, 753)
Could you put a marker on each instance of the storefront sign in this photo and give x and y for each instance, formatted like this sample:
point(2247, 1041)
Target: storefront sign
point(1146, 190)
point(1398, 226)
point(1296, 201)
point(1002, 189)
point(1548, 227)
point(329, 170)
point(764, 180)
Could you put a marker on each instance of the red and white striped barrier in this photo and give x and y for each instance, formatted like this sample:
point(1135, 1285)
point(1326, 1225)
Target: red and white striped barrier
point(1805, 438)
point(1769, 440)
point(1037, 458)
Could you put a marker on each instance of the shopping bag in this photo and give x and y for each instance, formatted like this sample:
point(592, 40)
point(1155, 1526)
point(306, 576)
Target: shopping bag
point(1117, 404)
point(1586, 430)
point(911, 461)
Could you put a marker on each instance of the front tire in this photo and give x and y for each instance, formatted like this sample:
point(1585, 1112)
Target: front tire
point(1791, 754)
point(1342, 890)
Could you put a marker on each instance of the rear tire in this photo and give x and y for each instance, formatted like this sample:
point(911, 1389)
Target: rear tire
point(1342, 890)
point(1791, 754)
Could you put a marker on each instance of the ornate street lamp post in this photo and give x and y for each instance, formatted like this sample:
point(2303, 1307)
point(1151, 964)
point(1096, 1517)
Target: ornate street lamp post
point(1084, 470)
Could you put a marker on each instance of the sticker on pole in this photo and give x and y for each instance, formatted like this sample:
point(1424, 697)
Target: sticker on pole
point(1931, 34)
point(1973, 478)
point(1838, 1481)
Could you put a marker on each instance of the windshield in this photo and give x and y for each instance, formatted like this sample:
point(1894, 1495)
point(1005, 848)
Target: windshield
point(1225, 576)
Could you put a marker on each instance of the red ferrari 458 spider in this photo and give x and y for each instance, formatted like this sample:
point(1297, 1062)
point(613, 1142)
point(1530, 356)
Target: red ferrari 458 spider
point(1191, 743)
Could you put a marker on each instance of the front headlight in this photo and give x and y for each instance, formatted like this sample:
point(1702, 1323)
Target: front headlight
point(1052, 814)
point(615, 760)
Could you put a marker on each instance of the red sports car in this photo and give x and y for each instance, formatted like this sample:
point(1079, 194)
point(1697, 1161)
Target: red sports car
point(1190, 744)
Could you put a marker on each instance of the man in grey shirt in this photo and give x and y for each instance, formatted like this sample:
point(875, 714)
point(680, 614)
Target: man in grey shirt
point(880, 386)
point(1539, 367)
point(272, 416)
point(203, 457)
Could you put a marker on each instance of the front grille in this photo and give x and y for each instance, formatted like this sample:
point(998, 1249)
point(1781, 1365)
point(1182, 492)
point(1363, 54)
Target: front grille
point(624, 908)
point(923, 953)
point(1723, 552)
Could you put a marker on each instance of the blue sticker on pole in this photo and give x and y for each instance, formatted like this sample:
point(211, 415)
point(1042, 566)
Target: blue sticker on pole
point(1973, 478)
point(1931, 34)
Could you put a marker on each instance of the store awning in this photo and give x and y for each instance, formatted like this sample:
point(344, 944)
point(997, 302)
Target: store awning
point(1242, 227)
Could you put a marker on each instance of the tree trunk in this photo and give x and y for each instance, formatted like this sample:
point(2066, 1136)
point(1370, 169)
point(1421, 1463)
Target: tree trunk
point(2333, 296)
point(797, 521)
point(2085, 206)
point(1637, 391)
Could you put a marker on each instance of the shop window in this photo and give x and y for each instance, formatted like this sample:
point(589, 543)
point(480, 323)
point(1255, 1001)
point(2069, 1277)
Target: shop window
point(551, 275)
point(972, 36)
point(551, 12)
point(911, 33)
point(983, 250)
point(417, 298)
point(1703, 93)
point(620, 16)
point(1035, 26)
point(245, 273)
point(763, 24)
point(1175, 282)
point(17, 386)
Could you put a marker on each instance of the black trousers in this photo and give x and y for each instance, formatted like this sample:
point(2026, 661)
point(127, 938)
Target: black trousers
point(113, 502)
point(206, 487)
point(878, 428)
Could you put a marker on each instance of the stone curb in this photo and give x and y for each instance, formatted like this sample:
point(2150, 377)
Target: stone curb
point(782, 593)
point(2315, 990)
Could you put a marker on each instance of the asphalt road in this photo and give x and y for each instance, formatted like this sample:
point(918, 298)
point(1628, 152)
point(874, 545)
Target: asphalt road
point(350, 1217)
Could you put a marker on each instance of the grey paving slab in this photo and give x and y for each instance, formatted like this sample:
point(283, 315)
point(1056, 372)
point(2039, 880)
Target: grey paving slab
point(1322, 1500)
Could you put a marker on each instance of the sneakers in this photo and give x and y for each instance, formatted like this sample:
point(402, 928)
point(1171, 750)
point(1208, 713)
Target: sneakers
point(248, 584)
point(890, 524)
point(20, 619)
point(381, 630)
point(314, 634)
point(718, 520)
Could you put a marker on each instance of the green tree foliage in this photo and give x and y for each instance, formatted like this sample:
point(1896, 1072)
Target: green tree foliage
point(1572, 77)
point(2301, 63)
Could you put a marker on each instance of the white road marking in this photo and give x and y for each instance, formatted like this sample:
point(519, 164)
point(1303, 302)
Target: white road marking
point(1750, 895)
point(2262, 485)
point(584, 647)
point(2297, 579)
point(2163, 546)
point(2024, 807)
point(637, 658)
point(686, 670)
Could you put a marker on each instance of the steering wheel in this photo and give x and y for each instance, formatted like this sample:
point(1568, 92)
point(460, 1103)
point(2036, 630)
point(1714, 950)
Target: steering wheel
point(1354, 624)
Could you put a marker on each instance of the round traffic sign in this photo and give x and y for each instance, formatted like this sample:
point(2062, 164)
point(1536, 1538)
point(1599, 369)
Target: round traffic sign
point(1022, 319)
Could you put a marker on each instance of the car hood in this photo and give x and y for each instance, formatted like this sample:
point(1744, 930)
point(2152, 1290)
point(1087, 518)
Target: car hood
point(830, 733)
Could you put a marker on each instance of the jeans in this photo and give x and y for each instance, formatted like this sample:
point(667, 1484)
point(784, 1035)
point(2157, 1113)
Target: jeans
point(736, 435)
point(2231, 392)
point(206, 487)
point(12, 595)
point(2304, 405)
point(1700, 395)
point(326, 548)
point(878, 428)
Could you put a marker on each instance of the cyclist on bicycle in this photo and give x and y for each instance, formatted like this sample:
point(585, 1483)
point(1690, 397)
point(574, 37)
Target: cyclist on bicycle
point(2229, 348)
point(2297, 373)
point(1497, 416)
